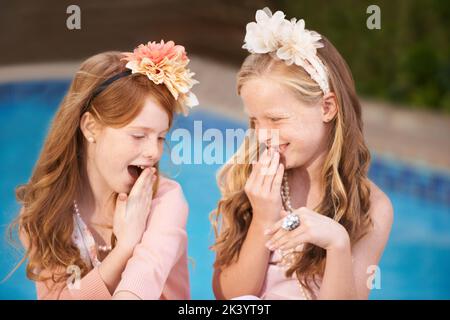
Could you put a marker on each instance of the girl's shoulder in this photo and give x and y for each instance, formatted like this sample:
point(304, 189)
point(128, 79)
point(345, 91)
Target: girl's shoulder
point(169, 206)
point(165, 185)
point(169, 189)
point(381, 209)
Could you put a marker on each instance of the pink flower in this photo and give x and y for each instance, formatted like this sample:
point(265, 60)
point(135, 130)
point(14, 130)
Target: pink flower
point(164, 63)
point(157, 51)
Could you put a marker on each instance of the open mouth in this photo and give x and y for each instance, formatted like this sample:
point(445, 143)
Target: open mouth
point(135, 171)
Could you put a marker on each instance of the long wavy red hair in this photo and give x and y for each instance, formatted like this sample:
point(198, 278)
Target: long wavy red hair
point(45, 222)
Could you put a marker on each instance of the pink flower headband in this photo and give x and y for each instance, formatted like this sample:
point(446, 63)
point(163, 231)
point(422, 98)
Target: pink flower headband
point(162, 63)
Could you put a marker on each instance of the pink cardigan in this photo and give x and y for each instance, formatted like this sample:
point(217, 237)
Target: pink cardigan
point(158, 268)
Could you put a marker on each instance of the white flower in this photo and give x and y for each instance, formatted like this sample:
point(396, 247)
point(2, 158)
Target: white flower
point(288, 41)
point(299, 44)
point(264, 35)
point(191, 99)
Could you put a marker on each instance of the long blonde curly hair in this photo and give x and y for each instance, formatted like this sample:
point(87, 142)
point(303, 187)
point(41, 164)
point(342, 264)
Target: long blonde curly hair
point(46, 217)
point(344, 172)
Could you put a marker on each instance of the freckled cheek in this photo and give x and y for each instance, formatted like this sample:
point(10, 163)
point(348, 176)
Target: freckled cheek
point(292, 136)
point(117, 144)
point(309, 139)
point(160, 151)
point(106, 164)
point(120, 155)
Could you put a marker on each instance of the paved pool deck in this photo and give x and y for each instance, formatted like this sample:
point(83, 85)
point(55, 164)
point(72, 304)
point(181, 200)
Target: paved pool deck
point(413, 136)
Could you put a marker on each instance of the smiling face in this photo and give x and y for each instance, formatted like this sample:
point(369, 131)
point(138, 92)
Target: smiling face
point(299, 127)
point(118, 153)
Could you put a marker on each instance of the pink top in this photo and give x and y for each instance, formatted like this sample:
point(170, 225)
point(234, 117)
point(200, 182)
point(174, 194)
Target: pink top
point(279, 287)
point(158, 268)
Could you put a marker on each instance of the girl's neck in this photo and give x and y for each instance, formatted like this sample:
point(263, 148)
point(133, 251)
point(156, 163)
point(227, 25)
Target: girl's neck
point(96, 211)
point(306, 185)
point(95, 199)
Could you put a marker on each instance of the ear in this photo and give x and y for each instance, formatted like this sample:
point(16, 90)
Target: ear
point(329, 107)
point(89, 126)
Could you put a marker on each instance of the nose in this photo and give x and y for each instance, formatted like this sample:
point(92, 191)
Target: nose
point(151, 149)
point(268, 136)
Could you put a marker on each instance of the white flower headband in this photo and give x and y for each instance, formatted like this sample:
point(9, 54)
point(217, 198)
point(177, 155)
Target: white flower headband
point(288, 41)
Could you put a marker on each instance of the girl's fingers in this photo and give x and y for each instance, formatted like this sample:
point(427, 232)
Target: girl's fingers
point(150, 189)
point(278, 235)
point(281, 233)
point(262, 159)
point(271, 170)
point(278, 179)
point(140, 182)
point(121, 204)
point(264, 155)
point(275, 244)
point(286, 239)
point(251, 177)
point(255, 170)
point(263, 168)
point(148, 181)
point(153, 179)
point(143, 192)
point(147, 191)
point(284, 213)
point(296, 243)
point(274, 228)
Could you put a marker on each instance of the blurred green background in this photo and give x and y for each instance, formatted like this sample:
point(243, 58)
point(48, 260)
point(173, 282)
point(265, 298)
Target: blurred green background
point(406, 61)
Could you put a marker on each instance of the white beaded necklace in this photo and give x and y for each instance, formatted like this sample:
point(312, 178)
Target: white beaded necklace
point(287, 258)
point(102, 248)
point(285, 194)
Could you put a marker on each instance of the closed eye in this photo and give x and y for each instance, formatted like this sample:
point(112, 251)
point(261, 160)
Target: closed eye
point(138, 136)
point(275, 119)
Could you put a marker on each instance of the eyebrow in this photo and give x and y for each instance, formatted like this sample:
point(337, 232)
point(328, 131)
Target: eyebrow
point(272, 113)
point(277, 114)
point(147, 129)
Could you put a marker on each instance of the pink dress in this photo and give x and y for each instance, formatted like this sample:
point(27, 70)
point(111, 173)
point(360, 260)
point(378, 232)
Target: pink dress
point(279, 287)
point(158, 268)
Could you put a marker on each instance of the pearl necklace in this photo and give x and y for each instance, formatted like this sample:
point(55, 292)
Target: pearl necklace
point(285, 194)
point(288, 257)
point(102, 248)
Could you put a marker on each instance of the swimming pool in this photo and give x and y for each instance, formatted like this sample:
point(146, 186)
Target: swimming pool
point(415, 263)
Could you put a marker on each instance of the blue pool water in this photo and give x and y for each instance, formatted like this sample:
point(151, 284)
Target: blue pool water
point(416, 261)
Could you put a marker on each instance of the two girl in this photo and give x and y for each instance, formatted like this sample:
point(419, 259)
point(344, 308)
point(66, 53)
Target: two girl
point(298, 220)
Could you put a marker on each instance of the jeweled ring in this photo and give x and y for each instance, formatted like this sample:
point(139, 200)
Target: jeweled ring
point(290, 222)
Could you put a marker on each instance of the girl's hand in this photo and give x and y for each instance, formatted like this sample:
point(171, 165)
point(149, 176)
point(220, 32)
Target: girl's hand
point(131, 213)
point(314, 228)
point(263, 188)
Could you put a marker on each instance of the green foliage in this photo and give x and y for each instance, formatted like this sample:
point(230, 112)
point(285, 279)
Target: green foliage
point(406, 61)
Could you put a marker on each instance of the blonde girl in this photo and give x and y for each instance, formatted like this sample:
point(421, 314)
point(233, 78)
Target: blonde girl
point(303, 221)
